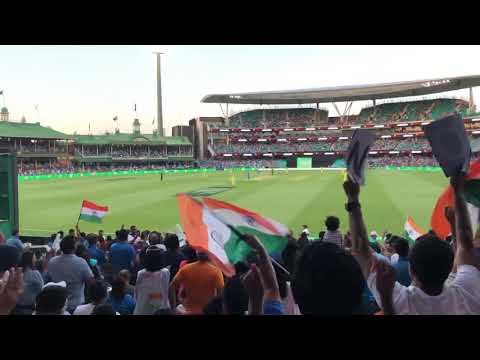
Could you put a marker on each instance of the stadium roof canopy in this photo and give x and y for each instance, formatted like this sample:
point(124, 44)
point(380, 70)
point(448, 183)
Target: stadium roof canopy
point(30, 131)
point(130, 139)
point(348, 93)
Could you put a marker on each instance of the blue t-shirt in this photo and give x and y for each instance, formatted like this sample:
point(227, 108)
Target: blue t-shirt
point(97, 254)
point(403, 275)
point(15, 241)
point(272, 307)
point(124, 307)
point(121, 256)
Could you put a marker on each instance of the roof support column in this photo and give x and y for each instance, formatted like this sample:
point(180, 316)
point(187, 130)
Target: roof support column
point(227, 119)
point(471, 103)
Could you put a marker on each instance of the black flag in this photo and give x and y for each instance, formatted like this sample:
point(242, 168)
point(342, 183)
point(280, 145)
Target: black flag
point(450, 145)
point(357, 153)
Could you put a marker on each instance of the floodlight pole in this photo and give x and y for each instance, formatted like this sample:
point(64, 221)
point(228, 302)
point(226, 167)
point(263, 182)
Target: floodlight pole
point(159, 95)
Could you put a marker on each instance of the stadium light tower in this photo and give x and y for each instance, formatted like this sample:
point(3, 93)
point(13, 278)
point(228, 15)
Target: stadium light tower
point(159, 95)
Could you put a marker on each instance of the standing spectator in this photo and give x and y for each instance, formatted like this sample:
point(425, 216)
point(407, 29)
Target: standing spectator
point(305, 230)
point(33, 284)
point(201, 280)
point(122, 254)
point(151, 288)
point(15, 240)
point(94, 251)
point(303, 241)
point(102, 242)
point(73, 270)
point(173, 257)
point(122, 302)
point(402, 265)
point(98, 295)
point(333, 235)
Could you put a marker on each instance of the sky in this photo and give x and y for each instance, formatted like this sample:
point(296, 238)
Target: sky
point(75, 86)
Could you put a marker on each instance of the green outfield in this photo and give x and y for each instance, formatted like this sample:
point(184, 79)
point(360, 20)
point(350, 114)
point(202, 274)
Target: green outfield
point(296, 198)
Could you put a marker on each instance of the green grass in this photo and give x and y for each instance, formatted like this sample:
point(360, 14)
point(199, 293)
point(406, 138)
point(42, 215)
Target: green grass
point(301, 197)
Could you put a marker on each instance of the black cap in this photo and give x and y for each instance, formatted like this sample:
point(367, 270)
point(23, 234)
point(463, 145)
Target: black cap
point(9, 257)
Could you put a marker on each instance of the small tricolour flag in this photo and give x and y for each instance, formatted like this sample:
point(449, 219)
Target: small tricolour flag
point(92, 212)
point(412, 230)
point(205, 225)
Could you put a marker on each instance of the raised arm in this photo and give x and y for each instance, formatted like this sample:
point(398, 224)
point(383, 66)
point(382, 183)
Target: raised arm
point(360, 245)
point(463, 229)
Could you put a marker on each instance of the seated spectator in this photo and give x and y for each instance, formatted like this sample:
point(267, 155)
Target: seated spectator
point(431, 262)
point(327, 281)
point(151, 289)
point(52, 300)
point(73, 270)
point(201, 280)
point(333, 235)
point(33, 284)
point(122, 303)
point(98, 295)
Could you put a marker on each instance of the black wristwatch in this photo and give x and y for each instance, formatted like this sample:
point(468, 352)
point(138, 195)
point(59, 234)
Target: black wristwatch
point(352, 205)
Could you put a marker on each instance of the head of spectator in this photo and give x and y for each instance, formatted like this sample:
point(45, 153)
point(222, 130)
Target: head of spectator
point(122, 235)
point(171, 242)
point(92, 239)
point(71, 232)
point(100, 233)
point(119, 288)
point(125, 276)
point(28, 260)
point(52, 300)
point(327, 281)
point(154, 258)
point(9, 257)
point(431, 261)
point(67, 245)
point(103, 309)
point(202, 256)
point(214, 306)
point(400, 246)
point(235, 297)
point(155, 238)
point(332, 223)
point(189, 253)
point(98, 292)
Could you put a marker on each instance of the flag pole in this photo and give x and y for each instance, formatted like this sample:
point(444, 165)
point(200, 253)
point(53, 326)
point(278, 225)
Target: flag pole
point(79, 214)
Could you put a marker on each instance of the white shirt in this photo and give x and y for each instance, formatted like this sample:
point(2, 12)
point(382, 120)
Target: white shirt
point(151, 291)
point(84, 309)
point(460, 297)
point(334, 237)
point(306, 231)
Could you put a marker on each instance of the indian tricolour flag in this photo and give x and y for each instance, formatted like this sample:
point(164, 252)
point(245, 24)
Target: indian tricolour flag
point(412, 230)
point(92, 212)
point(205, 227)
point(439, 223)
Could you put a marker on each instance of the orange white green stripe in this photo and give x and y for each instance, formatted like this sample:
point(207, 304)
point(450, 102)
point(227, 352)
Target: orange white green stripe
point(205, 227)
point(92, 212)
point(412, 230)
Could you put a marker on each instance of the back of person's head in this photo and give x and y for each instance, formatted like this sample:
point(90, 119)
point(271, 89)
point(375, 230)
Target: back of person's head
point(305, 226)
point(104, 309)
point(9, 257)
point(171, 242)
point(431, 261)
point(125, 275)
point(154, 259)
point(189, 253)
point(214, 306)
point(98, 292)
point(332, 223)
point(51, 300)
point(154, 238)
point(122, 235)
point(28, 260)
point(67, 245)
point(15, 232)
point(61, 233)
point(327, 280)
point(202, 256)
point(235, 297)
point(92, 239)
point(109, 238)
point(71, 232)
point(119, 287)
point(400, 245)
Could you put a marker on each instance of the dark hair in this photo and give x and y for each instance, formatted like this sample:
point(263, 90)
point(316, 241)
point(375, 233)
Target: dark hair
point(332, 223)
point(305, 226)
point(81, 251)
point(103, 309)
point(327, 280)
point(122, 235)
point(71, 230)
point(171, 242)
point(9, 257)
point(321, 234)
point(109, 238)
point(241, 268)
point(189, 253)
point(67, 245)
point(202, 255)
point(92, 239)
point(431, 261)
point(375, 247)
point(235, 297)
point(214, 306)
point(164, 312)
point(154, 259)
point(51, 300)
point(155, 238)
point(27, 260)
point(118, 289)
point(400, 246)
point(98, 291)
point(15, 232)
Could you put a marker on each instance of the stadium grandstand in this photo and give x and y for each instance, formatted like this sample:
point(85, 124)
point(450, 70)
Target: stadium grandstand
point(289, 132)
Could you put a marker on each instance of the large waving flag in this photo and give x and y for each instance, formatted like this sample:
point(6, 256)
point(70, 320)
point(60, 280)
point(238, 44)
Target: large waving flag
point(412, 230)
point(205, 226)
point(92, 212)
point(439, 222)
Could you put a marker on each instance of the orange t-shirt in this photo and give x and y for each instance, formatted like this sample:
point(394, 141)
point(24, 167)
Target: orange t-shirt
point(200, 280)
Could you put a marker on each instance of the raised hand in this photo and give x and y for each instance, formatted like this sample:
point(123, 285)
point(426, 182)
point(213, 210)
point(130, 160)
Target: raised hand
point(386, 277)
point(352, 189)
point(11, 286)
